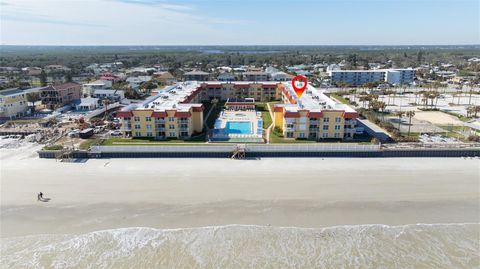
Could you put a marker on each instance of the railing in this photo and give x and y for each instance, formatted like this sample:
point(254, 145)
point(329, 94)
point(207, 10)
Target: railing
point(333, 147)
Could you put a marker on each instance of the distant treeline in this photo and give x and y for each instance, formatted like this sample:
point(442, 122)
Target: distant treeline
point(206, 57)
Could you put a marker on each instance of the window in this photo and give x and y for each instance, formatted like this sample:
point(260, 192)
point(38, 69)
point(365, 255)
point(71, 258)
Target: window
point(337, 127)
point(171, 119)
point(289, 134)
point(337, 135)
point(326, 119)
point(325, 127)
point(138, 134)
point(171, 126)
point(148, 119)
point(149, 134)
point(172, 134)
point(290, 126)
point(301, 135)
point(338, 119)
point(149, 127)
point(161, 133)
point(136, 118)
point(137, 126)
point(325, 135)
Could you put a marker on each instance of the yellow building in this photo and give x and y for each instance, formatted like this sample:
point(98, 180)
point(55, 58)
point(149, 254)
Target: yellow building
point(165, 115)
point(314, 116)
point(177, 112)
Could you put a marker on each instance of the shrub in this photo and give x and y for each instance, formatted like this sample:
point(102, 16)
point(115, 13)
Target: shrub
point(53, 147)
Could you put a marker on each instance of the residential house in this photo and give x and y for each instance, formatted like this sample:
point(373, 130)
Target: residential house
point(55, 96)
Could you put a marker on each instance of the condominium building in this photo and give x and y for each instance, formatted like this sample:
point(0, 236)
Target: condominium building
point(177, 111)
point(13, 104)
point(173, 113)
point(313, 116)
point(360, 77)
point(55, 96)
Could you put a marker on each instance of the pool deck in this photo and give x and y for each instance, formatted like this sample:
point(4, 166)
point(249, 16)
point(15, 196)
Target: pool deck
point(253, 117)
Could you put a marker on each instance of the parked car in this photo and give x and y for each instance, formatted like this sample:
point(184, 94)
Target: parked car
point(116, 133)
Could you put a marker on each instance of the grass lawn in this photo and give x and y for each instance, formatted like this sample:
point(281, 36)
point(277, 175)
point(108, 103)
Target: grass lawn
point(200, 140)
point(340, 98)
point(89, 142)
point(460, 117)
point(53, 147)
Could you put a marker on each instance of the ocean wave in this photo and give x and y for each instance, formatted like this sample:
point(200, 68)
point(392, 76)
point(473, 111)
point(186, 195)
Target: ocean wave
point(250, 246)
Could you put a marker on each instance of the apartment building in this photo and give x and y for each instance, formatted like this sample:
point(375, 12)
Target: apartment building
point(360, 77)
point(314, 116)
point(261, 91)
point(13, 104)
point(177, 112)
point(55, 96)
point(172, 113)
point(255, 76)
point(196, 75)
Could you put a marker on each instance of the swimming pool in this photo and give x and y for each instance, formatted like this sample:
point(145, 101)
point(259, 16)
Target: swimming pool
point(238, 127)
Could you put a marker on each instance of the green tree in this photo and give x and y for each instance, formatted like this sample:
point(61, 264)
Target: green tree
point(43, 78)
point(33, 97)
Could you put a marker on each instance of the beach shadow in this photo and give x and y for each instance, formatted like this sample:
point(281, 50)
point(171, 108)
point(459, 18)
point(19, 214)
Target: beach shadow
point(45, 200)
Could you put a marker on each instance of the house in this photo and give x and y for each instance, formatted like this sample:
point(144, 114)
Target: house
point(53, 68)
point(196, 75)
point(55, 96)
point(112, 95)
point(226, 77)
point(135, 82)
point(13, 104)
point(88, 88)
point(87, 104)
point(32, 71)
point(165, 78)
point(281, 76)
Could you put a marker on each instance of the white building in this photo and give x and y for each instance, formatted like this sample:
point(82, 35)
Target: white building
point(13, 104)
point(360, 77)
point(89, 88)
point(114, 95)
point(87, 104)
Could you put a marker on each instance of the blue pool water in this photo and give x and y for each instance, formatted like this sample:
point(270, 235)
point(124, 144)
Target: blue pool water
point(238, 127)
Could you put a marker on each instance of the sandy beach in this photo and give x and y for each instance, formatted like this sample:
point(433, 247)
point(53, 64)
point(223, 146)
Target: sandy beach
point(175, 193)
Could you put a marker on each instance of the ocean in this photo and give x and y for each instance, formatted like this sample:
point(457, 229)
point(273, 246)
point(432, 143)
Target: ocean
point(249, 246)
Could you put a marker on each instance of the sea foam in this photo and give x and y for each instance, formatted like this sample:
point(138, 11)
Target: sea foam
point(249, 246)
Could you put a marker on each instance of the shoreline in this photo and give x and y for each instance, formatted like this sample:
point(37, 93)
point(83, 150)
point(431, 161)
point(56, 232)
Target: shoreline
point(170, 193)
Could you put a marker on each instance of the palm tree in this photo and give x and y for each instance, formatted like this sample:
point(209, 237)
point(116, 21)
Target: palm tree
point(410, 114)
point(399, 114)
point(470, 98)
point(364, 99)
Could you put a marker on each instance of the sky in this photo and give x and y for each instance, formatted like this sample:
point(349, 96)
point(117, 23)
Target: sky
point(242, 22)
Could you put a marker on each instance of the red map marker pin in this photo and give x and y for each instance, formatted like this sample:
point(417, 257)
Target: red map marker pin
point(299, 91)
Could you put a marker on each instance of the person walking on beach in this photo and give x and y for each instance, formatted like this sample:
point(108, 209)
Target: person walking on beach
point(40, 196)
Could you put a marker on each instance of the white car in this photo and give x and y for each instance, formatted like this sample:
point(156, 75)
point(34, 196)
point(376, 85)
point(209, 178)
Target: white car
point(116, 133)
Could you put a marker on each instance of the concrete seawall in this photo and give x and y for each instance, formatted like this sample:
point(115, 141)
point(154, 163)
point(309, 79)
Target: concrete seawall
point(258, 151)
